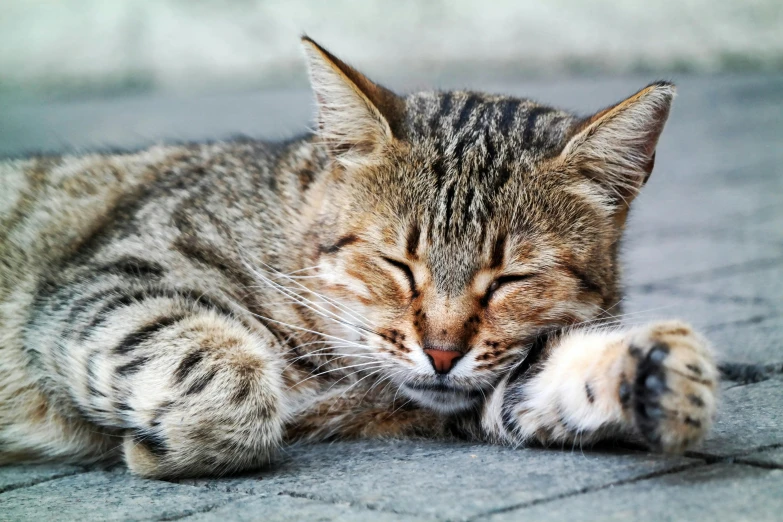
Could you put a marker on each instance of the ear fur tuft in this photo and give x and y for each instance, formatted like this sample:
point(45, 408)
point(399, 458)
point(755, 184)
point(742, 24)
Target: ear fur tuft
point(355, 116)
point(616, 146)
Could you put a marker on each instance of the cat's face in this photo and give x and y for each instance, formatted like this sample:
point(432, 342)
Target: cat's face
point(459, 226)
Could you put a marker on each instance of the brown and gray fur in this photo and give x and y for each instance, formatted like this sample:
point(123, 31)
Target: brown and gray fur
point(189, 309)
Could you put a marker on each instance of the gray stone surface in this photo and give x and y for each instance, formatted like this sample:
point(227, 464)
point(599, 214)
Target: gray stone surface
point(750, 342)
point(643, 306)
point(428, 478)
point(705, 243)
point(101, 495)
point(772, 458)
point(284, 508)
point(13, 477)
point(750, 418)
point(716, 493)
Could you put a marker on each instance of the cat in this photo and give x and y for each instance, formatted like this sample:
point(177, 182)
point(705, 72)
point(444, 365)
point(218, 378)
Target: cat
point(441, 264)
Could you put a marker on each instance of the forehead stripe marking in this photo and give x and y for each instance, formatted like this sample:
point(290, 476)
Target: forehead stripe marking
point(343, 241)
point(530, 124)
point(465, 112)
point(498, 251)
point(412, 243)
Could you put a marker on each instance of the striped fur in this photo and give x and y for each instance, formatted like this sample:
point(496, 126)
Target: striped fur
point(191, 308)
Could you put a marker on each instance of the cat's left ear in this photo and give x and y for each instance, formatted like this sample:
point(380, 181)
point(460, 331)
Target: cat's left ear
point(356, 117)
point(616, 146)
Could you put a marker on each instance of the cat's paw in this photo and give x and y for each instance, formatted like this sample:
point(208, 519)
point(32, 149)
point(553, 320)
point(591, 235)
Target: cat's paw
point(670, 386)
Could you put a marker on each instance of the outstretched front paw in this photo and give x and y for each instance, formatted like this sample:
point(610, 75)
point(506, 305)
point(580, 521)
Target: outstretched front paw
point(669, 386)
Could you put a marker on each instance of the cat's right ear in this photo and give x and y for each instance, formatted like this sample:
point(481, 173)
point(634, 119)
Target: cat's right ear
point(356, 117)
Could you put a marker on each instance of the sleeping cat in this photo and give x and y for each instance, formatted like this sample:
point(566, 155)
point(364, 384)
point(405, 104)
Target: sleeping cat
point(432, 265)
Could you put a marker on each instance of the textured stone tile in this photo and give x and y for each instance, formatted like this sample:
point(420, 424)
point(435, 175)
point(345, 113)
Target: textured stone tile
point(755, 342)
point(13, 477)
point(769, 458)
point(444, 480)
point(283, 508)
point(761, 285)
point(665, 208)
point(103, 496)
point(749, 417)
point(659, 260)
point(716, 493)
point(642, 307)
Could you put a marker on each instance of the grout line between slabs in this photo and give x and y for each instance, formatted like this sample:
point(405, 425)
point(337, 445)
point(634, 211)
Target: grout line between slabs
point(592, 489)
point(698, 276)
point(15, 487)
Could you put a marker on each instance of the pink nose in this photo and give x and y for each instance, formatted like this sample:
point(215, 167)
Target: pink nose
point(443, 360)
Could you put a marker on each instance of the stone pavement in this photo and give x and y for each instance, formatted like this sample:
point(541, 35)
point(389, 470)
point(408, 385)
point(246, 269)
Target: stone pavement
point(705, 244)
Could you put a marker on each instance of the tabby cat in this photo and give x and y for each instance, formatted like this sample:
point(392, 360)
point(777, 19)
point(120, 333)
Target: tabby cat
point(432, 265)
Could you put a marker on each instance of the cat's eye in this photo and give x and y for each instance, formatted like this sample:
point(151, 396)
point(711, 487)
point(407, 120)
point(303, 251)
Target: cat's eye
point(501, 281)
point(405, 269)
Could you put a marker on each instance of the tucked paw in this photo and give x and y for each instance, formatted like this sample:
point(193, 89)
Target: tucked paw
point(670, 391)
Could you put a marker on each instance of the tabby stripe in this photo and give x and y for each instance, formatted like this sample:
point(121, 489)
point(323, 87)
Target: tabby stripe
point(465, 112)
point(133, 366)
point(155, 443)
point(192, 297)
point(239, 396)
point(134, 339)
point(132, 266)
point(412, 242)
point(440, 169)
point(498, 251)
point(449, 210)
point(466, 215)
point(530, 124)
point(489, 145)
point(503, 175)
point(343, 241)
point(519, 373)
point(508, 113)
point(586, 282)
point(187, 365)
point(446, 106)
point(90, 371)
point(200, 382)
point(85, 304)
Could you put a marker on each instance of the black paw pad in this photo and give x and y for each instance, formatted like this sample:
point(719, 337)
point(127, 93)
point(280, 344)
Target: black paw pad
point(650, 384)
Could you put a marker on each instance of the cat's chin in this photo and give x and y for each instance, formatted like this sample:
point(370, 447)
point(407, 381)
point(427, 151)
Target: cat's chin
point(442, 398)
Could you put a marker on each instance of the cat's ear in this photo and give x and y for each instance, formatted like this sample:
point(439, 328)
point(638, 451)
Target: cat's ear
point(616, 146)
point(356, 117)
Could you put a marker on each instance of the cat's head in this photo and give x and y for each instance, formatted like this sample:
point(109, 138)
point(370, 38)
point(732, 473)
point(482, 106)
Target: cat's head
point(458, 226)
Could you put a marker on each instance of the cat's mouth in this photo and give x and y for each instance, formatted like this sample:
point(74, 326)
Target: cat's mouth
point(442, 396)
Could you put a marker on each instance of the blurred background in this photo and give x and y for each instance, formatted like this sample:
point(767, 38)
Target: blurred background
point(77, 48)
point(81, 74)
point(706, 236)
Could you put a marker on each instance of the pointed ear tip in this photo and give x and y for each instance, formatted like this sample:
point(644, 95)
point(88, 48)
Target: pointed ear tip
point(664, 89)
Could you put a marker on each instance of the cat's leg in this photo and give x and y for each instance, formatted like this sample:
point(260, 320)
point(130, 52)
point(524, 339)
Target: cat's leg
point(656, 383)
point(191, 389)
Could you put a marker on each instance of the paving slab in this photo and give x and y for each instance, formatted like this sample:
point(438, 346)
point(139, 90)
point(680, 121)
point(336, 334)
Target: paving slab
point(754, 342)
point(705, 243)
point(750, 417)
point(640, 307)
point(716, 493)
point(102, 495)
point(444, 480)
point(760, 285)
point(678, 258)
point(772, 458)
point(13, 477)
point(284, 508)
point(668, 206)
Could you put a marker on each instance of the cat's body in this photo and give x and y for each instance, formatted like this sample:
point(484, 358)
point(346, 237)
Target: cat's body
point(417, 268)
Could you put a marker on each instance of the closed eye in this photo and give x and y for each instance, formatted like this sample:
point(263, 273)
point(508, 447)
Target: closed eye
point(405, 269)
point(500, 282)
